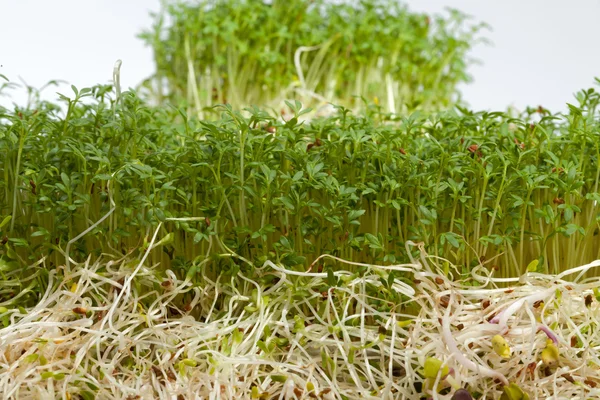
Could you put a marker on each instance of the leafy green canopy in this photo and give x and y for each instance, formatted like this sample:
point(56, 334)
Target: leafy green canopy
point(471, 186)
point(261, 53)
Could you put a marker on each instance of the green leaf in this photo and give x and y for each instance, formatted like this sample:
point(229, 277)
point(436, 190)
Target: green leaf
point(47, 375)
point(513, 392)
point(532, 266)
point(331, 281)
point(297, 176)
point(354, 214)
point(103, 177)
point(5, 220)
point(432, 368)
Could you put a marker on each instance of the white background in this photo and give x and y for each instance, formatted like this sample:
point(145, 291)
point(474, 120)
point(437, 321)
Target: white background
point(542, 51)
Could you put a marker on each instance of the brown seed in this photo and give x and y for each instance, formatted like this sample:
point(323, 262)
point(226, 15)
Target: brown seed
point(460, 327)
point(588, 300)
point(568, 377)
point(207, 221)
point(402, 151)
point(508, 291)
point(485, 304)
point(99, 315)
point(531, 369)
point(538, 303)
point(439, 280)
point(444, 301)
point(590, 382)
point(574, 341)
point(473, 148)
point(166, 284)
point(80, 310)
point(558, 200)
point(187, 307)
point(298, 392)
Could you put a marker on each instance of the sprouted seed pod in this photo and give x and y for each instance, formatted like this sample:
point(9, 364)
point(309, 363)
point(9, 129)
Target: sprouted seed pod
point(433, 366)
point(550, 355)
point(500, 346)
point(513, 392)
point(189, 362)
point(80, 310)
point(405, 323)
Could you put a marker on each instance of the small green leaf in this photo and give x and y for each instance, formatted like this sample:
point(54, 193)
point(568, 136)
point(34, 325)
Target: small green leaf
point(279, 378)
point(514, 392)
point(405, 323)
point(47, 374)
point(532, 267)
point(432, 368)
point(5, 220)
point(189, 362)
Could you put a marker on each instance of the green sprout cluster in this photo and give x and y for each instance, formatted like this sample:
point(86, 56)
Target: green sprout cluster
point(260, 53)
point(474, 188)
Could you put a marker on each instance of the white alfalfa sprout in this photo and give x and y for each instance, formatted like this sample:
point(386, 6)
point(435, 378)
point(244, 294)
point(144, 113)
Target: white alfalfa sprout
point(450, 342)
point(152, 354)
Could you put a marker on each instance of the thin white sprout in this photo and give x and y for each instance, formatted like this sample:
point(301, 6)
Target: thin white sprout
point(130, 343)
